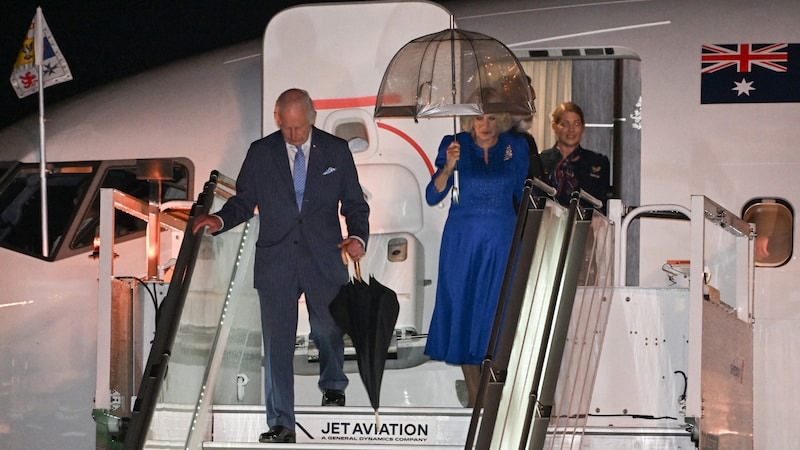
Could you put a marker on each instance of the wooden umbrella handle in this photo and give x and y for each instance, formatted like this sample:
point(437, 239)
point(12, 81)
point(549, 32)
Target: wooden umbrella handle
point(346, 260)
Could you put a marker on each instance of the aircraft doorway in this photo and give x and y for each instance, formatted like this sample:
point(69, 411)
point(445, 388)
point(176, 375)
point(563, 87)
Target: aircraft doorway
point(606, 83)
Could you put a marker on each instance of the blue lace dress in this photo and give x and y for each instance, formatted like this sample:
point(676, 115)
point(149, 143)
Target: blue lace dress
point(475, 243)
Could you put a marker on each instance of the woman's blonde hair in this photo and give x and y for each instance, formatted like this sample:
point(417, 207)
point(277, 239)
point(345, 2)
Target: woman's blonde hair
point(504, 121)
point(567, 107)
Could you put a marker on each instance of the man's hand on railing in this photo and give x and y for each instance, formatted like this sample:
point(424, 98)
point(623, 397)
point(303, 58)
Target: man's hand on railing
point(213, 223)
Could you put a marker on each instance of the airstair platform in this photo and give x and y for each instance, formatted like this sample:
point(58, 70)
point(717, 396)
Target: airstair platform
point(357, 427)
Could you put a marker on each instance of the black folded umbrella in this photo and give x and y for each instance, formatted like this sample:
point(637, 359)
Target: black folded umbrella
point(368, 314)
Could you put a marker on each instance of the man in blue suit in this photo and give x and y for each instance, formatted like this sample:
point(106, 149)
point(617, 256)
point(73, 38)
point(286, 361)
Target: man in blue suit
point(299, 246)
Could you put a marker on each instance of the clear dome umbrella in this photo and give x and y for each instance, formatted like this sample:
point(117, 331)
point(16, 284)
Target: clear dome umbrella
point(453, 73)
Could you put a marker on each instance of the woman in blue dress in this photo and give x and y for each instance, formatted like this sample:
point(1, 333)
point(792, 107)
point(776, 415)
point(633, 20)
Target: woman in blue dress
point(492, 167)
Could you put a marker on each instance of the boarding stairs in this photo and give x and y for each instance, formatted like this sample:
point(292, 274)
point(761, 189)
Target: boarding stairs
point(201, 383)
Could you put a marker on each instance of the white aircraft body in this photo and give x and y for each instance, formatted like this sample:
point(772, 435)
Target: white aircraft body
point(201, 115)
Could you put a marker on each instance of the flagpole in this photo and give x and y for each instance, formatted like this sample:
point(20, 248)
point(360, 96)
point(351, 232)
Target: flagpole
point(25, 83)
point(43, 171)
point(38, 53)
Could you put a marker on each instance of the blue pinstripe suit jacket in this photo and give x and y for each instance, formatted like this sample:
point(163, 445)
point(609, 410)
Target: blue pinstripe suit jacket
point(265, 181)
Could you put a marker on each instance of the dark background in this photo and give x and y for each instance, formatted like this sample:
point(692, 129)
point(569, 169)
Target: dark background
point(107, 41)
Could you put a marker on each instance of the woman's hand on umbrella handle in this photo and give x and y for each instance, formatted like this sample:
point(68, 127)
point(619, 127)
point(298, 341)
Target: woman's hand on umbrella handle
point(453, 155)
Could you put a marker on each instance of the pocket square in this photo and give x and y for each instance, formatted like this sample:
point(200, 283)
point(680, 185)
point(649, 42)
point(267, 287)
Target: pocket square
point(329, 170)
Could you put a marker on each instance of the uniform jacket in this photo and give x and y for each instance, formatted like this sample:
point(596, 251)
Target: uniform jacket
point(592, 170)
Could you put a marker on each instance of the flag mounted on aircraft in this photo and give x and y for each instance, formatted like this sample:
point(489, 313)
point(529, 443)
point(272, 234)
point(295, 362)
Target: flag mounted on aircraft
point(24, 75)
point(750, 73)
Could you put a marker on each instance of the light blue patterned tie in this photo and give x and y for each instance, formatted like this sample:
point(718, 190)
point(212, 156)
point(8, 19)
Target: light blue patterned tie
point(299, 176)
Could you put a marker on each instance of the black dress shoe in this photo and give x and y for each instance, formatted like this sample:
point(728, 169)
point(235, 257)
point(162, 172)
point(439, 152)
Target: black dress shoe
point(333, 397)
point(277, 434)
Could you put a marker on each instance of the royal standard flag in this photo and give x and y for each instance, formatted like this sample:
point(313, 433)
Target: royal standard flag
point(25, 75)
point(750, 73)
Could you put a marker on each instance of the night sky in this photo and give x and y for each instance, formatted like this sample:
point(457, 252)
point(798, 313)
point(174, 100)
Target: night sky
point(107, 41)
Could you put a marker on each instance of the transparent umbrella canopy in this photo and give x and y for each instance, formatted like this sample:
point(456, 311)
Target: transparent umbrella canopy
point(453, 73)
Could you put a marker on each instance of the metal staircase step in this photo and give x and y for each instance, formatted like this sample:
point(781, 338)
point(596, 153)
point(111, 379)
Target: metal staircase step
point(238, 427)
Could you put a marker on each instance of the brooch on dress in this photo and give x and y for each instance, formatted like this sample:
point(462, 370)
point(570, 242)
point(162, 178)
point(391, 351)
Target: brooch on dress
point(509, 153)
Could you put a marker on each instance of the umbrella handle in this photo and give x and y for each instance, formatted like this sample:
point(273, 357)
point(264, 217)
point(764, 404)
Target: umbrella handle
point(454, 191)
point(346, 261)
point(456, 184)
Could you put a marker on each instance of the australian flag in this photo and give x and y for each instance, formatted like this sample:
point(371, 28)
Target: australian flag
point(750, 73)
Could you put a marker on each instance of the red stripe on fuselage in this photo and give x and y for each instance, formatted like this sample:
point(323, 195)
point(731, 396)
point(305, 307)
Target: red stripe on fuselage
point(340, 103)
point(411, 141)
point(359, 102)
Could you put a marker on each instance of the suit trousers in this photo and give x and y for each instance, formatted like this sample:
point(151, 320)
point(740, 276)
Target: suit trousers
point(279, 306)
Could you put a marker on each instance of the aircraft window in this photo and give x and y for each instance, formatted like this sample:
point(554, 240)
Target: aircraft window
point(72, 193)
point(355, 133)
point(125, 179)
point(5, 168)
point(774, 220)
point(20, 203)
